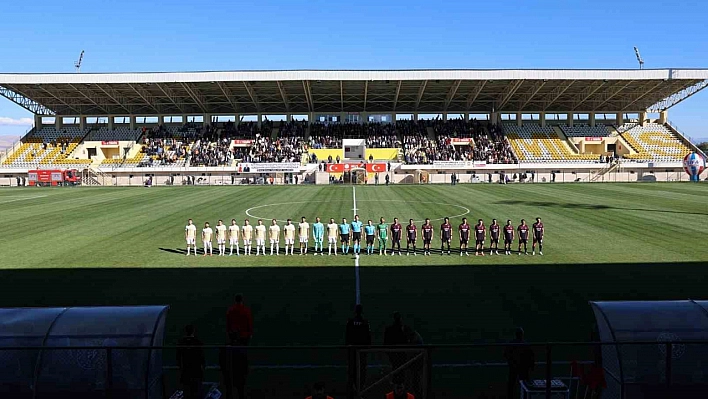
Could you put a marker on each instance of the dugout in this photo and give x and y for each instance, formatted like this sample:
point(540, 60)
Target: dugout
point(46, 372)
point(640, 370)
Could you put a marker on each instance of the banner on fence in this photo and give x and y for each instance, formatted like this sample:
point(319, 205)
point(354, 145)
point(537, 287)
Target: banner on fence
point(461, 141)
point(346, 167)
point(269, 167)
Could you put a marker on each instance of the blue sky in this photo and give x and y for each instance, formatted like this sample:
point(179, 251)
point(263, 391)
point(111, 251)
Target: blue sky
point(130, 35)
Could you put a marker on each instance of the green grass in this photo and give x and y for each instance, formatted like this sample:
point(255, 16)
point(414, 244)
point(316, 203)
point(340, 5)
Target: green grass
point(120, 246)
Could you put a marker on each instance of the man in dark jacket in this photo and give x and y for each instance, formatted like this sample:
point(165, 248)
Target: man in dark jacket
point(397, 334)
point(521, 361)
point(358, 333)
point(190, 360)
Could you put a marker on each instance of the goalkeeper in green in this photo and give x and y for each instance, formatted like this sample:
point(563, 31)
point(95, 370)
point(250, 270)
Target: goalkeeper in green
point(318, 235)
point(382, 233)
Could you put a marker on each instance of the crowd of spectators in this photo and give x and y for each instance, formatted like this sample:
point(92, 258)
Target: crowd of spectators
point(487, 143)
point(265, 149)
point(205, 152)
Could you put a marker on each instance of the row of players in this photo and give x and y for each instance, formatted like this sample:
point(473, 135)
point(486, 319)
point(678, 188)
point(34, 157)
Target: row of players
point(350, 235)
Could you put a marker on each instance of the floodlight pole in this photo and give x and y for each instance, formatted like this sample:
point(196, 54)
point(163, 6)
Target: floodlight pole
point(639, 58)
point(77, 64)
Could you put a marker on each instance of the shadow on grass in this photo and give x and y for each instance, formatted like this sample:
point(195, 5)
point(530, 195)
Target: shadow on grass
point(310, 306)
point(599, 207)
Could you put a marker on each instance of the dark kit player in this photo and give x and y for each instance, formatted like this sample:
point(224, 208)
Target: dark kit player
point(396, 230)
point(464, 230)
point(508, 237)
point(412, 237)
point(537, 237)
point(445, 236)
point(428, 231)
point(480, 232)
point(494, 231)
point(523, 230)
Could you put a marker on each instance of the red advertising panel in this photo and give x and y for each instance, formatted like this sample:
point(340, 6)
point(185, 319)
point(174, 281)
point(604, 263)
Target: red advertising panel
point(242, 143)
point(461, 141)
point(109, 142)
point(593, 138)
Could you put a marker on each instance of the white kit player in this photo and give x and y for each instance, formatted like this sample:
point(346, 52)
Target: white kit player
point(274, 235)
point(304, 232)
point(190, 235)
point(221, 237)
point(260, 237)
point(233, 236)
point(247, 236)
point(289, 233)
point(207, 234)
point(332, 234)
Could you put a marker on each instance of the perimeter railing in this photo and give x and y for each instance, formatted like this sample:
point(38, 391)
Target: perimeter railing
point(555, 369)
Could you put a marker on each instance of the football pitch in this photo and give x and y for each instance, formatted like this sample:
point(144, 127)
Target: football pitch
point(125, 246)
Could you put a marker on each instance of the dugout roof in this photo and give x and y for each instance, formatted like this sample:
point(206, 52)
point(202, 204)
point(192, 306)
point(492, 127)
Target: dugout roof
point(45, 371)
point(634, 370)
point(305, 91)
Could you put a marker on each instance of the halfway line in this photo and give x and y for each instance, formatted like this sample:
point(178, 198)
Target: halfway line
point(356, 258)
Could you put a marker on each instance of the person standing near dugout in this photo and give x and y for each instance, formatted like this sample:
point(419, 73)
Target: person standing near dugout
point(358, 333)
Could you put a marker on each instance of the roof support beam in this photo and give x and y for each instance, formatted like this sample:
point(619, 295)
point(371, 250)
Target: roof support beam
point(534, 90)
point(421, 90)
point(229, 96)
point(253, 95)
point(612, 95)
point(114, 96)
point(472, 97)
point(586, 95)
point(646, 93)
point(366, 93)
point(555, 95)
point(30, 105)
point(71, 107)
point(284, 95)
point(102, 108)
point(512, 88)
point(341, 95)
point(308, 95)
point(398, 91)
point(170, 96)
point(145, 96)
point(451, 94)
point(676, 98)
point(196, 96)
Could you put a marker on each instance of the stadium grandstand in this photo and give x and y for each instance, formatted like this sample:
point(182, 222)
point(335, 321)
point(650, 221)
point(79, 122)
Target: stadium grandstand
point(422, 124)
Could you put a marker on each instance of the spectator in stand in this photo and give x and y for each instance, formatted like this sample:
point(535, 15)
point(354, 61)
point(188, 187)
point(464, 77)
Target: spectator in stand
point(191, 363)
point(239, 322)
point(318, 392)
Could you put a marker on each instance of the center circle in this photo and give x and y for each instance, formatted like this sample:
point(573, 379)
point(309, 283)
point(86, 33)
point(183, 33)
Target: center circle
point(465, 210)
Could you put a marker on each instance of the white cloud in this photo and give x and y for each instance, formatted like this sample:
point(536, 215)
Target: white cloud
point(5, 121)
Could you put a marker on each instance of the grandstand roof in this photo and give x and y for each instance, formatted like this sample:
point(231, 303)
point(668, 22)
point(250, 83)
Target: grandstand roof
point(303, 91)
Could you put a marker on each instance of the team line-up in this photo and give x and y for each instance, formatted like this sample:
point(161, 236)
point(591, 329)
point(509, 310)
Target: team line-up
point(349, 235)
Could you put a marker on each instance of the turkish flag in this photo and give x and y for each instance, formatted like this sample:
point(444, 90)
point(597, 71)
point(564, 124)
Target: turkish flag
point(375, 167)
point(335, 168)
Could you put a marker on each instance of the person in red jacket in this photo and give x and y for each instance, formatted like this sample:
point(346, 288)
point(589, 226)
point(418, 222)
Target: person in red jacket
point(399, 390)
point(239, 322)
point(318, 392)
